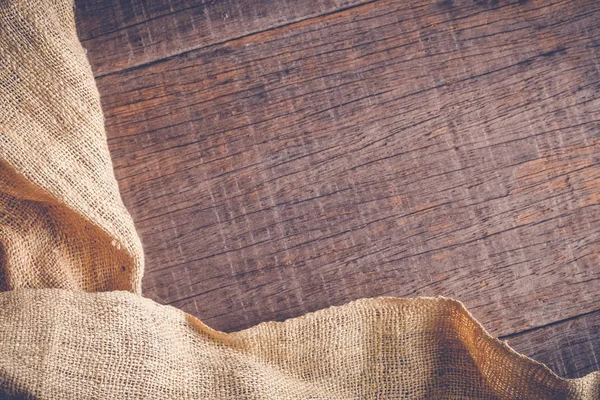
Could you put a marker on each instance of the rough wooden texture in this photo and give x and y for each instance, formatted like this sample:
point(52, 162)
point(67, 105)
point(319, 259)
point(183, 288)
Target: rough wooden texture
point(570, 348)
point(124, 34)
point(392, 148)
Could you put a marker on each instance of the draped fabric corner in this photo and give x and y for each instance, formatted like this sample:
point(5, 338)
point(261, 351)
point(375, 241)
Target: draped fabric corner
point(73, 324)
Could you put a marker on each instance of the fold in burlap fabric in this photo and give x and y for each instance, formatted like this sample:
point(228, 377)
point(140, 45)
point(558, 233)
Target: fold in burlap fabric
point(74, 326)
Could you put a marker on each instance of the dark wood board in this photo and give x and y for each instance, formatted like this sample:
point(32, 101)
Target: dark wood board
point(125, 34)
point(570, 348)
point(391, 148)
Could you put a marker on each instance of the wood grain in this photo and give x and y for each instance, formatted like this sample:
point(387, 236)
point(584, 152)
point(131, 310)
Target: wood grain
point(392, 148)
point(125, 34)
point(570, 348)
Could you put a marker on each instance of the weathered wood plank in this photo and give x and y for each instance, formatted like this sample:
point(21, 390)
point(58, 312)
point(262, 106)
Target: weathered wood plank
point(422, 148)
point(125, 34)
point(570, 348)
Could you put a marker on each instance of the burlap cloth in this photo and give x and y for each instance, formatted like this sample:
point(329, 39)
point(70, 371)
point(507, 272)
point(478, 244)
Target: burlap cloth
point(73, 324)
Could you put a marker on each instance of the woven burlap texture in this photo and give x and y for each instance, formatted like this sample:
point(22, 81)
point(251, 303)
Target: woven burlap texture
point(73, 324)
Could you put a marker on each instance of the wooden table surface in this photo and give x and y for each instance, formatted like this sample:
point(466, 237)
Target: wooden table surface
point(281, 156)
